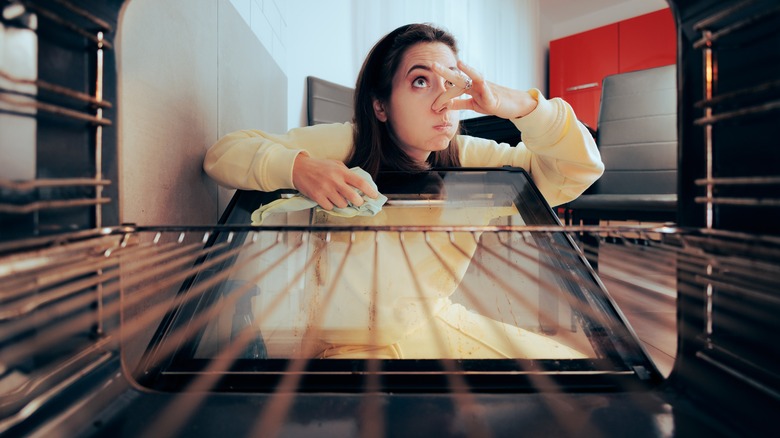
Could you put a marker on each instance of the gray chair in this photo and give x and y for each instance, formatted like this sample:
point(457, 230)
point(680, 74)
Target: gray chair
point(328, 102)
point(637, 138)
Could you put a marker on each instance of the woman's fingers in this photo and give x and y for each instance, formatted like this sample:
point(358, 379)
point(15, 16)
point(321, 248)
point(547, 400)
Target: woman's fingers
point(346, 195)
point(483, 98)
point(457, 78)
point(475, 76)
point(445, 97)
point(464, 80)
point(329, 183)
point(459, 83)
point(495, 99)
point(324, 203)
point(356, 182)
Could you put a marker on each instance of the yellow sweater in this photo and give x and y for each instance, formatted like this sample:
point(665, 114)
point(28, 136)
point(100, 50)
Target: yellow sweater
point(557, 151)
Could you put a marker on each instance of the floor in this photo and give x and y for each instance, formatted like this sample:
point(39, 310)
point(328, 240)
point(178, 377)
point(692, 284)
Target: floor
point(643, 285)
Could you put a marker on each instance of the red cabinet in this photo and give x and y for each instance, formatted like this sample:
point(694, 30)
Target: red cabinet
point(579, 63)
point(577, 66)
point(647, 41)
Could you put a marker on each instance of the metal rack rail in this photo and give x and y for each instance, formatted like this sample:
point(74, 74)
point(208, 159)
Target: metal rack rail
point(727, 99)
point(72, 97)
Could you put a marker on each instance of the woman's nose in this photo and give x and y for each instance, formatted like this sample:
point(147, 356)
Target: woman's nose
point(441, 105)
point(443, 102)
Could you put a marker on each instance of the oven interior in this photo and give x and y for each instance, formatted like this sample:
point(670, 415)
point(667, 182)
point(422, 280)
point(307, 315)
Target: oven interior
point(129, 330)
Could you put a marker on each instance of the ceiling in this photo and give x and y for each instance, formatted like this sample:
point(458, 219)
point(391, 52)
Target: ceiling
point(557, 11)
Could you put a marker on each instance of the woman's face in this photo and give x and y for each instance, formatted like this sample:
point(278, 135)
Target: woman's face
point(413, 123)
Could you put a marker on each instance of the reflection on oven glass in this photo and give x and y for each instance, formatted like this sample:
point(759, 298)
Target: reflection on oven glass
point(462, 272)
point(402, 294)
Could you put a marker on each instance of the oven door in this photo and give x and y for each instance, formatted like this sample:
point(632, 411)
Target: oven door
point(462, 308)
point(464, 278)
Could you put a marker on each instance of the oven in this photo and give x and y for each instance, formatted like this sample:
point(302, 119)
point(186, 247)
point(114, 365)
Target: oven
point(111, 329)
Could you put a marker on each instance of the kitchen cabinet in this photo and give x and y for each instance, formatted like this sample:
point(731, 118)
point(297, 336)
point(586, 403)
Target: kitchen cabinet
point(647, 41)
point(577, 66)
point(579, 63)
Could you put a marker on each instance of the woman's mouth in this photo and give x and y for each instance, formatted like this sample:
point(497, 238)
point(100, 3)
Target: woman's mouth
point(443, 127)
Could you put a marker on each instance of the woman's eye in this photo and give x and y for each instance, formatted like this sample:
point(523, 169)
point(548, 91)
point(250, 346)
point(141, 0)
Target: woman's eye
point(449, 84)
point(420, 82)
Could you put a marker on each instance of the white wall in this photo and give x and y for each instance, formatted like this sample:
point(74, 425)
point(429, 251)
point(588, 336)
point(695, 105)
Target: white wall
point(305, 38)
point(183, 82)
point(321, 41)
point(268, 21)
point(621, 11)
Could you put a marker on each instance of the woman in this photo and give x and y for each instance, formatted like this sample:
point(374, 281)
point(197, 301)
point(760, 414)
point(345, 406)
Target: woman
point(406, 118)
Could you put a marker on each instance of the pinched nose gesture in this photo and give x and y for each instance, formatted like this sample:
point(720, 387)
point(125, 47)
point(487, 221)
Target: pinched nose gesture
point(484, 97)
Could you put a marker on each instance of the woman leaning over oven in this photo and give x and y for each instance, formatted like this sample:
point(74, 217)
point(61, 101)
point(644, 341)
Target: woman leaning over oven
point(406, 118)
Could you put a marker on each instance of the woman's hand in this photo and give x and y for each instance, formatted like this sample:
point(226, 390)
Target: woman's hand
point(486, 97)
point(329, 183)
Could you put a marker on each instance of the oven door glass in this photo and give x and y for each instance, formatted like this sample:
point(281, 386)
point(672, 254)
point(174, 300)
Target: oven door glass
point(465, 275)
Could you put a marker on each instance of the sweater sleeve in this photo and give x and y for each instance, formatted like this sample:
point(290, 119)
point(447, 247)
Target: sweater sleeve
point(557, 151)
point(256, 160)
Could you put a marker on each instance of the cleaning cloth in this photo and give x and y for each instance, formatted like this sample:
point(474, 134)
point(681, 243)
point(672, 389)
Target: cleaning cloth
point(299, 202)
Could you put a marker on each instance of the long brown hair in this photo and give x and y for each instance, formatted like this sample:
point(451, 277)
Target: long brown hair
point(374, 148)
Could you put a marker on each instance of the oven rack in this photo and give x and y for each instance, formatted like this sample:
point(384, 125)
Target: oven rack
point(74, 302)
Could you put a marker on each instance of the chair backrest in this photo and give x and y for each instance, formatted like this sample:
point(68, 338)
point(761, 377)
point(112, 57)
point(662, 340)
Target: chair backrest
point(637, 132)
point(492, 128)
point(328, 102)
